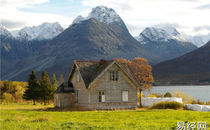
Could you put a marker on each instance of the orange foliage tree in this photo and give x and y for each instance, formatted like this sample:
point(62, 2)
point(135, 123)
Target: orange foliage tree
point(142, 72)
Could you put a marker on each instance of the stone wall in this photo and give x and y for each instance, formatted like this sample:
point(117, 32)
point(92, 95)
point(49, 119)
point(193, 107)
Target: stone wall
point(64, 99)
point(80, 87)
point(113, 91)
point(112, 105)
point(149, 101)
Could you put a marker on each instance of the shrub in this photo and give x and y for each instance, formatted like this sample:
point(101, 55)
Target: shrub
point(168, 105)
point(208, 103)
point(186, 98)
point(8, 98)
point(168, 94)
point(157, 94)
point(152, 96)
point(198, 102)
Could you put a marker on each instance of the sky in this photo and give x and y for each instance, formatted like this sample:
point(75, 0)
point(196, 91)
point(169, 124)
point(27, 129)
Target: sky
point(188, 16)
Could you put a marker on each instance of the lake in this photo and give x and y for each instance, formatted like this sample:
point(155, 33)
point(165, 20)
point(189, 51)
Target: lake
point(201, 92)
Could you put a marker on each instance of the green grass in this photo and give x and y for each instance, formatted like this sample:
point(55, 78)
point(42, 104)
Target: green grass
point(39, 117)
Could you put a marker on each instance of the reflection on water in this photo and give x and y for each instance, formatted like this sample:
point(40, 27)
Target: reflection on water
point(198, 92)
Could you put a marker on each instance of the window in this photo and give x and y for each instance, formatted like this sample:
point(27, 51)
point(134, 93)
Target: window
point(77, 77)
point(114, 75)
point(101, 96)
point(124, 96)
point(76, 96)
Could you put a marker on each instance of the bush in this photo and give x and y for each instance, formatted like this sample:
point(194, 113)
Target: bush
point(168, 105)
point(151, 96)
point(186, 98)
point(168, 94)
point(8, 98)
point(157, 94)
point(198, 102)
point(208, 103)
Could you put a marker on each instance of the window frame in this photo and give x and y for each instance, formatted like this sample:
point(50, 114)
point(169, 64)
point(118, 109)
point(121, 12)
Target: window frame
point(100, 94)
point(123, 96)
point(113, 75)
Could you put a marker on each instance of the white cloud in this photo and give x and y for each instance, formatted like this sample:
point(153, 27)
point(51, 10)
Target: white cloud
point(137, 14)
point(150, 12)
point(19, 3)
point(13, 18)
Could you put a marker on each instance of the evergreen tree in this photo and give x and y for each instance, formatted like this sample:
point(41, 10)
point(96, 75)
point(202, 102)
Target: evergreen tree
point(45, 86)
point(61, 80)
point(32, 89)
point(53, 86)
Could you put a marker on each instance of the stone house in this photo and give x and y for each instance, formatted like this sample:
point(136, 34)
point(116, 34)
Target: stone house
point(98, 85)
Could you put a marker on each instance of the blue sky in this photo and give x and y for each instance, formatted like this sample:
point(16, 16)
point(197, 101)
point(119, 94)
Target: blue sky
point(189, 16)
point(60, 7)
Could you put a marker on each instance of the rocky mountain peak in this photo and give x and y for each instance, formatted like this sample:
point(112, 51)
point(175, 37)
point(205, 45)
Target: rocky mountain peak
point(103, 14)
point(44, 31)
point(4, 31)
point(159, 34)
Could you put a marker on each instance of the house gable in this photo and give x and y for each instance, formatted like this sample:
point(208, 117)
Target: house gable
point(127, 74)
point(105, 76)
point(113, 89)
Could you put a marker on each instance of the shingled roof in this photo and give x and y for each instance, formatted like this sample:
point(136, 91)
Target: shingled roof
point(90, 70)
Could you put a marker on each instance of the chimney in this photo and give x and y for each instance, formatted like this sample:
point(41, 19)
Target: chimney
point(101, 62)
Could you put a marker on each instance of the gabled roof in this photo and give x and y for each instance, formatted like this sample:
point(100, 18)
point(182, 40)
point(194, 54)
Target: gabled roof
point(90, 70)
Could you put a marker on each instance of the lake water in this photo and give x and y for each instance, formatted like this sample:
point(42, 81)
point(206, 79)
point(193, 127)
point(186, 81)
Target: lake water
point(198, 92)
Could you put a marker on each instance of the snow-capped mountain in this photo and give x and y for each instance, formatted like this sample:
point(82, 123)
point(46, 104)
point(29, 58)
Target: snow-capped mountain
point(4, 32)
point(102, 14)
point(198, 40)
point(163, 34)
point(165, 42)
point(78, 19)
point(44, 31)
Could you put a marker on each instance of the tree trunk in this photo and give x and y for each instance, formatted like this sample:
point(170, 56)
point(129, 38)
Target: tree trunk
point(34, 102)
point(140, 98)
point(44, 101)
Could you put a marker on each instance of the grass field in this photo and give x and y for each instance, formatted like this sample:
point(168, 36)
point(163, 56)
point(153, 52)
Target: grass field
point(19, 117)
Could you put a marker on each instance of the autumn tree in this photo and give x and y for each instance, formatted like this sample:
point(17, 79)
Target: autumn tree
point(142, 72)
point(45, 86)
point(32, 89)
point(19, 93)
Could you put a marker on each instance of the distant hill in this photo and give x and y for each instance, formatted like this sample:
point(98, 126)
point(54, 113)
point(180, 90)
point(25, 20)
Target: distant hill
point(191, 68)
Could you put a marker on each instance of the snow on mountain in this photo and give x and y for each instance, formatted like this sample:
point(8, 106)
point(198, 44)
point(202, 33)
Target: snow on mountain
point(78, 19)
point(4, 31)
point(162, 34)
point(198, 40)
point(41, 32)
point(102, 14)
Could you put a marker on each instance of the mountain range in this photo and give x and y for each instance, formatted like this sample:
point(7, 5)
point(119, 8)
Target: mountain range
point(102, 34)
